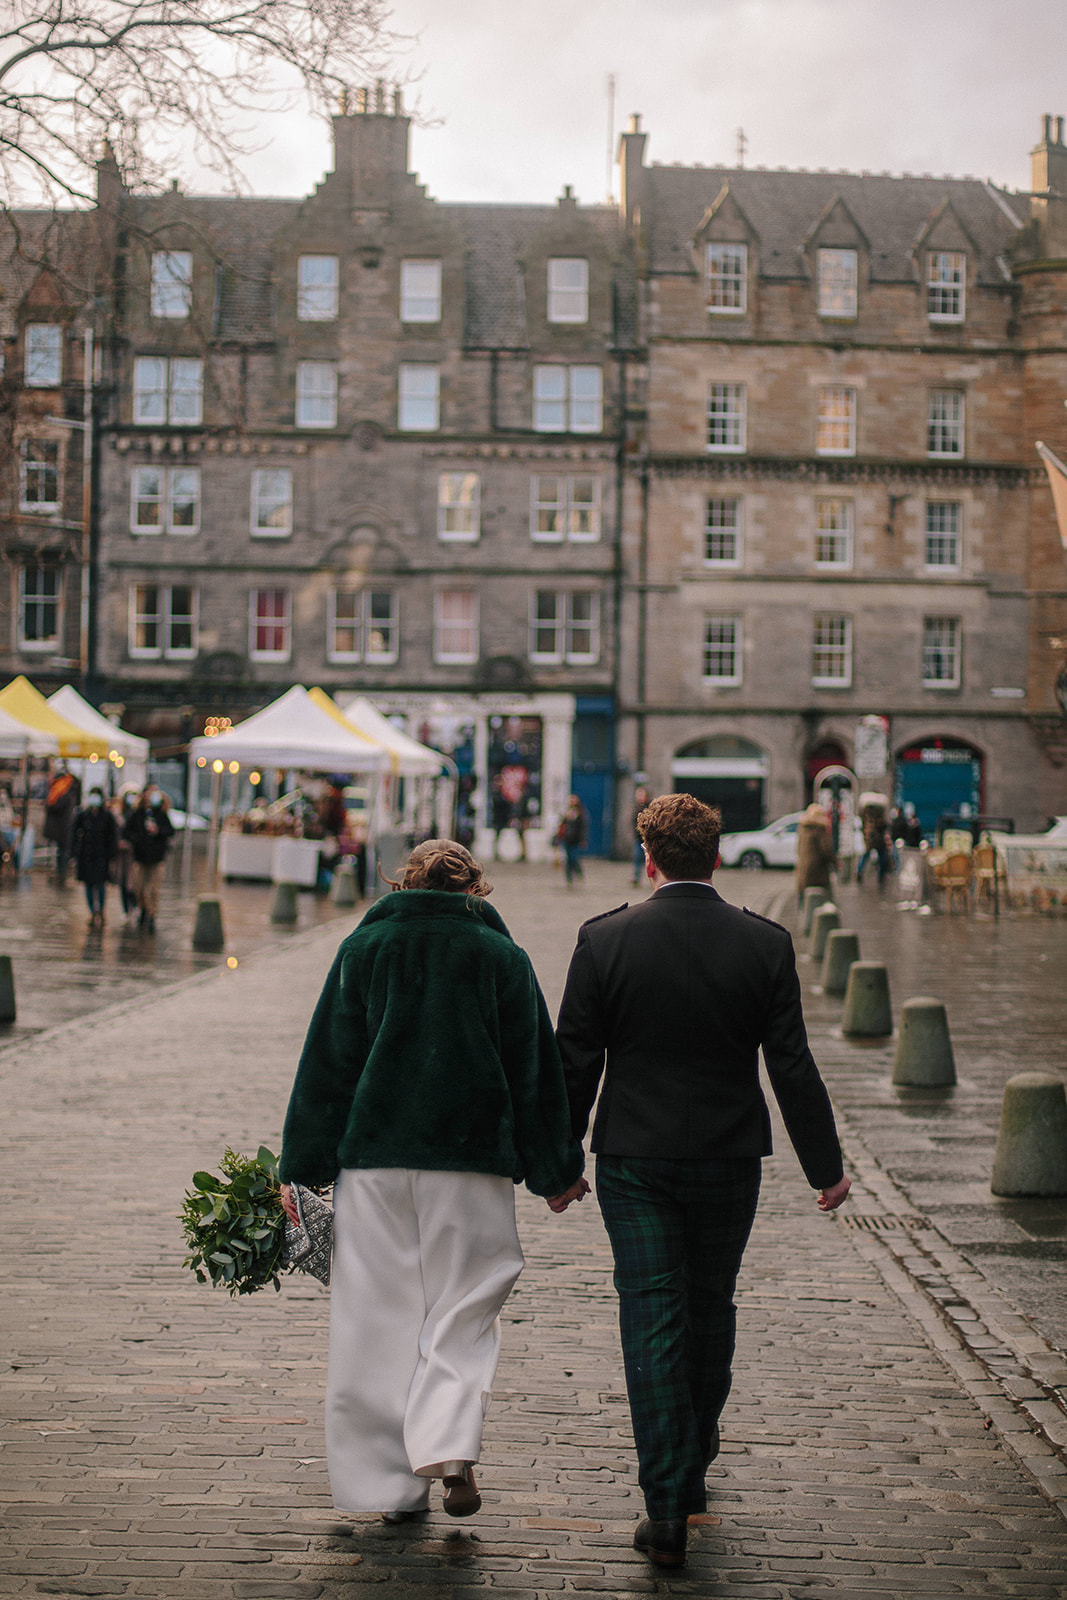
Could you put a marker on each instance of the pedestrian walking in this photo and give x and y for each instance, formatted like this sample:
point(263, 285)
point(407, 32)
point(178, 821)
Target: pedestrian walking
point(679, 994)
point(149, 832)
point(122, 809)
point(94, 845)
point(429, 1085)
point(641, 799)
point(61, 802)
point(874, 818)
point(572, 835)
point(816, 857)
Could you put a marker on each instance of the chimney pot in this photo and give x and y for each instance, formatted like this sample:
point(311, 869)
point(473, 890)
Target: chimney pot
point(1059, 130)
point(361, 102)
point(635, 122)
point(398, 103)
point(379, 97)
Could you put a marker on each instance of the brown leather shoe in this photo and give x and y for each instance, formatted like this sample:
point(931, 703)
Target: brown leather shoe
point(662, 1542)
point(461, 1493)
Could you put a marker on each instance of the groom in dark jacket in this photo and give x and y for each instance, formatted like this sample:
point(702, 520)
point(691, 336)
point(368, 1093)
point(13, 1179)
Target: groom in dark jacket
point(678, 995)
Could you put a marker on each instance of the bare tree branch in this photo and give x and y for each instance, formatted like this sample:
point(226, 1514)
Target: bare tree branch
point(144, 74)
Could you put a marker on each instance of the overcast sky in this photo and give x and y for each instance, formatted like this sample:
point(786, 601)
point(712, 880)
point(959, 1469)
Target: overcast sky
point(514, 95)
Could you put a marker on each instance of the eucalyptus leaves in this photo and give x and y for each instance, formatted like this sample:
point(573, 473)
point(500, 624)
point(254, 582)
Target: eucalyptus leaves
point(235, 1225)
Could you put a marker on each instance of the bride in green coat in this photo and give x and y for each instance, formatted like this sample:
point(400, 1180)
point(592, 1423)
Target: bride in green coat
point(429, 1085)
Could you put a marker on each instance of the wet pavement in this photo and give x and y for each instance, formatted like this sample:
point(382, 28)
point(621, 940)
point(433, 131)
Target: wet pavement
point(1004, 985)
point(64, 968)
point(890, 1433)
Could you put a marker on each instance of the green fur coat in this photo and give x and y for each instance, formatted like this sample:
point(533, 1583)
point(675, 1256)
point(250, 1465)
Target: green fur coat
point(431, 1048)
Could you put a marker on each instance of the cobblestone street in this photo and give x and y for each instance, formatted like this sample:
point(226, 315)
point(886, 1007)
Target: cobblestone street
point(893, 1427)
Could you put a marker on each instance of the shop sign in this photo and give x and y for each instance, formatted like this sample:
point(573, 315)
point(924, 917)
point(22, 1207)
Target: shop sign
point(872, 747)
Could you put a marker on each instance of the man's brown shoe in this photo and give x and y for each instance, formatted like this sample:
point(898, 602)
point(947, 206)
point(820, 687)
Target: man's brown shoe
point(662, 1542)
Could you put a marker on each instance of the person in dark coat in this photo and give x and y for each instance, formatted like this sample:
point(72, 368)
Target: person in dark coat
point(670, 1001)
point(573, 834)
point(94, 845)
point(149, 831)
point(61, 802)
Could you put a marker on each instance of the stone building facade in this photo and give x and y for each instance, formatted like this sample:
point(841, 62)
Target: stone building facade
point(370, 442)
point(720, 488)
point(47, 322)
point(837, 514)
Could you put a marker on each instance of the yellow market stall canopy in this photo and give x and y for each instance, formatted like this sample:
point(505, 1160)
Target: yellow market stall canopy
point(27, 705)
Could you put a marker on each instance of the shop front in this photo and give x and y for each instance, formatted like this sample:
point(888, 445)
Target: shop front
point(940, 777)
point(512, 754)
point(725, 771)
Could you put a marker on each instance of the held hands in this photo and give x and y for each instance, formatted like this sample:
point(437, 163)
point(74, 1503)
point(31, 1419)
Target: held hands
point(831, 1198)
point(577, 1191)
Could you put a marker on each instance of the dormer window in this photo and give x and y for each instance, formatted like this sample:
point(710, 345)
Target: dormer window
point(727, 270)
point(838, 279)
point(568, 290)
point(946, 285)
point(420, 291)
point(172, 283)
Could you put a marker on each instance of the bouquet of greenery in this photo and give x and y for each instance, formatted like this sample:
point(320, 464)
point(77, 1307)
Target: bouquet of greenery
point(235, 1225)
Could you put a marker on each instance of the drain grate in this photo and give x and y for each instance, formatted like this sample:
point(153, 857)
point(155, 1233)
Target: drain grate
point(881, 1224)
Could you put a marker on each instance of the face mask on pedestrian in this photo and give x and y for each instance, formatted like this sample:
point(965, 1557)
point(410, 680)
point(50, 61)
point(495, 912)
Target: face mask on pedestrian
point(155, 799)
point(96, 800)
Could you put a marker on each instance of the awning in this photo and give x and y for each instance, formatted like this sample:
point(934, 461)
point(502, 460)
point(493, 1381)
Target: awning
point(1057, 477)
point(28, 706)
point(69, 703)
point(16, 739)
point(293, 732)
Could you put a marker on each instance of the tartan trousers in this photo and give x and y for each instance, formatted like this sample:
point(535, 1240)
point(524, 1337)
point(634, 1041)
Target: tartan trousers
point(678, 1230)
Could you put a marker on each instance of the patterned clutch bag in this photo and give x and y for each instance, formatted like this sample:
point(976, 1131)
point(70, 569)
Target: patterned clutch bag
point(309, 1243)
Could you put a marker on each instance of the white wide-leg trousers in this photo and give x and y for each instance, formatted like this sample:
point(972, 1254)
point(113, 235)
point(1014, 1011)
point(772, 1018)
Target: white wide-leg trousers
point(422, 1264)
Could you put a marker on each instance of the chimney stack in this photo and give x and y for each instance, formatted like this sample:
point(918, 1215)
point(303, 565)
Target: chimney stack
point(1048, 204)
point(631, 169)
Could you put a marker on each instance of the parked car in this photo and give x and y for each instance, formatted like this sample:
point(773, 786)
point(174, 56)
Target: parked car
point(772, 846)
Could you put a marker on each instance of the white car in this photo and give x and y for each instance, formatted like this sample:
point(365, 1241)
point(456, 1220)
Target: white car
point(775, 845)
point(772, 846)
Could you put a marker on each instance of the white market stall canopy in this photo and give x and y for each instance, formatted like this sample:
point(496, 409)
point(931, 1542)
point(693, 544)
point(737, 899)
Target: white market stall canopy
point(19, 739)
point(410, 759)
point(293, 732)
point(69, 703)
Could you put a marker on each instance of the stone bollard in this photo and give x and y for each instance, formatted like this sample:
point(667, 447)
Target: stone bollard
point(283, 907)
point(924, 1050)
point(7, 990)
point(207, 930)
point(343, 887)
point(866, 1013)
point(842, 949)
point(1031, 1155)
point(813, 898)
point(826, 919)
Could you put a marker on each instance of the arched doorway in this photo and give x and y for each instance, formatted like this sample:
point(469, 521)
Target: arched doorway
point(725, 771)
point(940, 777)
point(827, 753)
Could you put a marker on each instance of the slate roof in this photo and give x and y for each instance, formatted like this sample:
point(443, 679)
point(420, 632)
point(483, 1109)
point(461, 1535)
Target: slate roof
point(31, 239)
point(784, 207)
point(240, 234)
point(498, 238)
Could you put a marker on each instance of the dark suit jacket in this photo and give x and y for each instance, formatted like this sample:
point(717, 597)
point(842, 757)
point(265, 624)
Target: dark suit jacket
point(679, 993)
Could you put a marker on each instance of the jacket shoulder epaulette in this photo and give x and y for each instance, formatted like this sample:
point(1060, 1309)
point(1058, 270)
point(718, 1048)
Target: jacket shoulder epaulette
point(588, 923)
point(757, 918)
